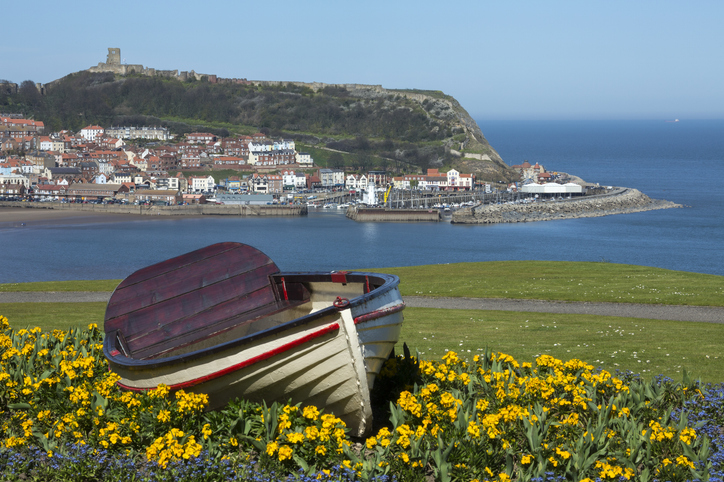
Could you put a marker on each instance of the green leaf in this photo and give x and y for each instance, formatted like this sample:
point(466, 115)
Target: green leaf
point(302, 463)
point(18, 406)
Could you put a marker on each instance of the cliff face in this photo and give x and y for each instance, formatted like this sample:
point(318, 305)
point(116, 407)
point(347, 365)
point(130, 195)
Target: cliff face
point(470, 150)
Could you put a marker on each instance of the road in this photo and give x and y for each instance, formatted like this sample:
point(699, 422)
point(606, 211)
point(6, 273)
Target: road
point(706, 314)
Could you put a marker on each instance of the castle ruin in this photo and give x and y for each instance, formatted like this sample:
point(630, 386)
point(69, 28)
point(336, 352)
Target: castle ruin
point(114, 57)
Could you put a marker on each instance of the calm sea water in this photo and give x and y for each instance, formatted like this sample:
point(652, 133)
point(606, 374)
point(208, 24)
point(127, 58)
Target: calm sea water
point(681, 162)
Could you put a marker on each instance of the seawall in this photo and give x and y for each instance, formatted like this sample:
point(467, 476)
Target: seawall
point(189, 210)
point(396, 215)
point(620, 201)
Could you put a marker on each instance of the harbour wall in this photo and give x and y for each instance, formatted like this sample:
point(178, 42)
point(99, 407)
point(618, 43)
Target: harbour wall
point(188, 210)
point(620, 201)
point(395, 215)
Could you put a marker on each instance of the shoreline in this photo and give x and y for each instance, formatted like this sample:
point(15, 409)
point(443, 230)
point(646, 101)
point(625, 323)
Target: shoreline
point(623, 201)
point(15, 214)
point(17, 217)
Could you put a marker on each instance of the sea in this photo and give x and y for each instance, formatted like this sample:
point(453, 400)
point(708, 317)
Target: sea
point(680, 161)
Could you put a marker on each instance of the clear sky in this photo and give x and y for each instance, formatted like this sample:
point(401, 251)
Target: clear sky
point(554, 59)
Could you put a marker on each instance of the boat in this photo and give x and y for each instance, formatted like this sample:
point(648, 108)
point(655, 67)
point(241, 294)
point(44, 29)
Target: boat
point(225, 321)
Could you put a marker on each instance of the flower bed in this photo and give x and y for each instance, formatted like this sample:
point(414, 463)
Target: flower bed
point(486, 418)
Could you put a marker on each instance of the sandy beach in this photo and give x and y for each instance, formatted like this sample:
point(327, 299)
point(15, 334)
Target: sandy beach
point(11, 217)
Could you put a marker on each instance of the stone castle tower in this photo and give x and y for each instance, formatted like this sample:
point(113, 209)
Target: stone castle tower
point(114, 57)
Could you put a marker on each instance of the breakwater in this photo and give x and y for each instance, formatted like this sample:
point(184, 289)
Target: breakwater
point(620, 201)
point(187, 210)
point(395, 215)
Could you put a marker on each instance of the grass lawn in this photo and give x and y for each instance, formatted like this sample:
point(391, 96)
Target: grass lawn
point(561, 280)
point(84, 285)
point(53, 316)
point(647, 347)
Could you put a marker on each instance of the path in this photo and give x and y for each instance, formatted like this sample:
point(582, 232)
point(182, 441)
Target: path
point(707, 314)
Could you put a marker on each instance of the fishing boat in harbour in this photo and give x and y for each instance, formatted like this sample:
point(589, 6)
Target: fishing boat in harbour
point(225, 321)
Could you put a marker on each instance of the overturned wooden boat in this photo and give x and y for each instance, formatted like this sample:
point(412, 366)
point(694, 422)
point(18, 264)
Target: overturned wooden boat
point(223, 320)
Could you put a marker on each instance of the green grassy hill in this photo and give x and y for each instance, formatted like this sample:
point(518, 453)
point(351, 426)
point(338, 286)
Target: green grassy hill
point(407, 130)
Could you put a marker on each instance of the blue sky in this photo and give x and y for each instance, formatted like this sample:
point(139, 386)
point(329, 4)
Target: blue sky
point(556, 59)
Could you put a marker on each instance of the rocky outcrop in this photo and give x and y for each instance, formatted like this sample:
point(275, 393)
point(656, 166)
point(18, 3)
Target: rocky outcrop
point(620, 201)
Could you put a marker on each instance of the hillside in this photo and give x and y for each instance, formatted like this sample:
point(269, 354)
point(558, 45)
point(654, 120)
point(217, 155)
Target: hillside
point(410, 130)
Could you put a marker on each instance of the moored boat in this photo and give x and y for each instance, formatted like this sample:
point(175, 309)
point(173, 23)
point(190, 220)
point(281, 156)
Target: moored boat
point(225, 321)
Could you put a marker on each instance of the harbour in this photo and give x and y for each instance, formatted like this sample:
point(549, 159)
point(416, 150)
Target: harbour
point(678, 162)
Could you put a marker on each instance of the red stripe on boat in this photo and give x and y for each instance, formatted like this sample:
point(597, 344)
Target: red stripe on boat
point(373, 315)
point(245, 363)
point(339, 277)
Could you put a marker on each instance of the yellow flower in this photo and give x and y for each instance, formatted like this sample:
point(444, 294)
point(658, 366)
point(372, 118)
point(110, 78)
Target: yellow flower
point(285, 452)
point(310, 412)
point(473, 429)
point(312, 433)
point(271, 448)
point(682, 460)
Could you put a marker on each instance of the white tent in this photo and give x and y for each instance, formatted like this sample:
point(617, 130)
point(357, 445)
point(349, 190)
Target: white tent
point(552, 188)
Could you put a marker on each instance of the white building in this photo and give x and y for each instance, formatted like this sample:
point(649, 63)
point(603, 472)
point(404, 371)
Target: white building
point(91, 132)
point(45, 144)
point(201, 184)
point(356, 182)
point(264, 146)
point(456, 180)
point(14, 179)
point(296, 180)
point(105, 167)
point(331, 177)
point(283, 144)
point(144, 132)
point(304, 158)
point(168, 183)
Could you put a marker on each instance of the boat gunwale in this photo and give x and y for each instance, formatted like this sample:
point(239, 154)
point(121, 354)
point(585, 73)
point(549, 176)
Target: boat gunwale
point(391, 282)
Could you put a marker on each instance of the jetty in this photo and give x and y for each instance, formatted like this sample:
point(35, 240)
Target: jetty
point(620, 200)
point(358, 213)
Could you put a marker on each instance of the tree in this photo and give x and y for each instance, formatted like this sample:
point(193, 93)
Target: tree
point(29, 94)
point(336, 160)
point(364, 162)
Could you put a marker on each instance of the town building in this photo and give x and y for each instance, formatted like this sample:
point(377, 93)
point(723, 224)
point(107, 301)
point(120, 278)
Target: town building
point(143, 132)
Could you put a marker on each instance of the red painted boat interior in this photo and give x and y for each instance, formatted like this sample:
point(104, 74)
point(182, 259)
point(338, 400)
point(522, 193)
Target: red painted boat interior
point(196, 296)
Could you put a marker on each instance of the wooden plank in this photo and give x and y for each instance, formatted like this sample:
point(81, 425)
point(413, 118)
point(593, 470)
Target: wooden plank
point(177, 262)
point(222, 317)
point(191, 277)
point(189, 304)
